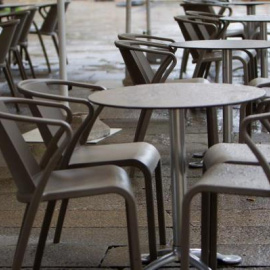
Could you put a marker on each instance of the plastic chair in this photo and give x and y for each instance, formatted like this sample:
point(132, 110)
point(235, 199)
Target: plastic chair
point(21, 16)
point(48, 27)
point(194, 28)
point(238, 153)
point(143, 156)
point(142, 72)
point(23, 40)
point(6, 36)
point(223, 178)
point(43, 181)
point(211, 10)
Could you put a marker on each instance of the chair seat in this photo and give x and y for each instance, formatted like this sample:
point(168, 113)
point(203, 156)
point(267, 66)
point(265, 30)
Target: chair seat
point(233, 153)
point(83, 182)
point(189, 80)
point(258, 81)
point(126, 154)
point(234, 179)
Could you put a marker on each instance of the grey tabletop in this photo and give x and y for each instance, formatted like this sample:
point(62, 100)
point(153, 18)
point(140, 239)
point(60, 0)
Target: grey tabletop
point(176, 96)
point(247, 18)
point(223, 44)
point(245, 3)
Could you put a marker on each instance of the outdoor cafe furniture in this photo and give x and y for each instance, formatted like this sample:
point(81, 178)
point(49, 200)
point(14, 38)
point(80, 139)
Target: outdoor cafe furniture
point(48, 27)
point(227, 46)
point(43, 181)
point(233, 179)
point(140, 155)
point(195, 29)
point(251, 19)
point(23, 40)
point(135, 54)
point(6, 36)
point(250, 5)
point(176, 98)
point(21, 16)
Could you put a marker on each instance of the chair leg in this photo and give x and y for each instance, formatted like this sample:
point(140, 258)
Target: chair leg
point(142, 125)
point(55, 42)
point(184, 63)
point(205, 227)
point(150, 216)
point(60, 221)
point(44, 233)
point(28, 58)
point(11, 83)
point(212, 126)
point(133, 234)
point(213, 232)
point(10, 80)
point(26, 228)
point(160, 206)
point(20, 64)
point(44, 51)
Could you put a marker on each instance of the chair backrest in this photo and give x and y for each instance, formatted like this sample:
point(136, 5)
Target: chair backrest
point(264, 118)
point(213, 8)
point(49, 14)
point(138, 66)
point(23, 166)
point(27, 24)
point(194, 28)
point(6, 36)
point(21, 16)
point(48, 89)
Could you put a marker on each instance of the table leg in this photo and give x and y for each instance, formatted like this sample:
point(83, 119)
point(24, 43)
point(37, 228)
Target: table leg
point(178, 180)
point(264, 58)
point(227, 111)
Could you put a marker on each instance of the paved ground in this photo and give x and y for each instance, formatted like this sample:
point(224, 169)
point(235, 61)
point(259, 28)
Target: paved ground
point(95, 232)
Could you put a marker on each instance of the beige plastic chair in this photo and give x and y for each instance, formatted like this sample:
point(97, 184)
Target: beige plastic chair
point(44, 182)
point(240, 179)
point(143, 156)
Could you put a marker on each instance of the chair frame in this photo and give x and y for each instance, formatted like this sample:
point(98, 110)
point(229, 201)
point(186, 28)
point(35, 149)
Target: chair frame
point(79, 138)
point(33, 194)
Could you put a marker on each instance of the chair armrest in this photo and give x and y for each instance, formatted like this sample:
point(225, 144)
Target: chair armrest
point(264, 117)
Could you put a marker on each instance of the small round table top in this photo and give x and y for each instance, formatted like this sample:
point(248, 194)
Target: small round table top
point(223, 44)
point(245, 3)
point(247, 18)
point(176, 95)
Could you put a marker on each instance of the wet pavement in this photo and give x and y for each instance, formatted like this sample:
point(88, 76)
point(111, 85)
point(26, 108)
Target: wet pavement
point(94, 235)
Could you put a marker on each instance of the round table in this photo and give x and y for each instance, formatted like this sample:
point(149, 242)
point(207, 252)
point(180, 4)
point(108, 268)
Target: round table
point(251, 20)
point(227, 46)
point(176, 97)
point(250, 5)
